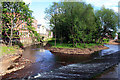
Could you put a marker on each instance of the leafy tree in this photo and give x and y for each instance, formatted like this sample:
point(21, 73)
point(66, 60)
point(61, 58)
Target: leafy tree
point(52, 13)
point(76, 22)
point(14, 14)
point(109, 20)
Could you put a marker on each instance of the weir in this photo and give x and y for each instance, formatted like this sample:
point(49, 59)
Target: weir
point(85, 70)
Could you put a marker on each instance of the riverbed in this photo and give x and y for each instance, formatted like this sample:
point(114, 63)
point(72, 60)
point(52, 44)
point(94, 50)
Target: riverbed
point(45, 61)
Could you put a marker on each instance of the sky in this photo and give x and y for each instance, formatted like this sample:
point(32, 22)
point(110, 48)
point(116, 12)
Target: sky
point(38, 7)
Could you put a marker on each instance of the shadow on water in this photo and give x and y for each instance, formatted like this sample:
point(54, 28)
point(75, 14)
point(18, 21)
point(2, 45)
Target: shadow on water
point(44, 60)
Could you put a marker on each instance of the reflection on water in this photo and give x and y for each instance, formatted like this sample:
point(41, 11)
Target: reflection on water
point(112, 49)
point(47, 61)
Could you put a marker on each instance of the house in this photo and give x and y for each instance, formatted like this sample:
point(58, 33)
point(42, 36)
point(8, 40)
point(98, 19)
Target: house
point(41, 30)
point(24, 33)
point(34, 24)
point(44, 32)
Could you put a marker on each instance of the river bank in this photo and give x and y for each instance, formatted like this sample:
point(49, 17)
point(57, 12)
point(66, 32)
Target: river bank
point(75, 50)
point(11, 59)
point(114, 42)
point(45, 61)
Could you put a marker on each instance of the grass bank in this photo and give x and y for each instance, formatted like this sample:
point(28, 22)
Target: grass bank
point(70, 45)
point(106, 41)
point(81, 48)
point(8, 50)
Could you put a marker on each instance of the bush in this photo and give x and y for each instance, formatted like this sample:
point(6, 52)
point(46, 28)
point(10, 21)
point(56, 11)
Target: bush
point(105, 40)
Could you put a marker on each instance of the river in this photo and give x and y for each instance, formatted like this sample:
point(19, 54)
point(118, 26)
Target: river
point(45, 61)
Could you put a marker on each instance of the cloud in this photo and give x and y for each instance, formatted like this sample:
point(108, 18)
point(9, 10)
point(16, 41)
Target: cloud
point(111, 4)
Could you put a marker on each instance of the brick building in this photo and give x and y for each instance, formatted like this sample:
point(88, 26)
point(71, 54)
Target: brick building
point(24, 33)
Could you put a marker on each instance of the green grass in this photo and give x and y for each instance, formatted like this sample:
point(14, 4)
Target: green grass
point(49, 39)
point(63, 45)
point(66, 45)
point(105, 40)
point(8, 50)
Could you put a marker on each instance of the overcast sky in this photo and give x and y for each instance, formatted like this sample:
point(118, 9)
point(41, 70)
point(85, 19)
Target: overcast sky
point(38, 7)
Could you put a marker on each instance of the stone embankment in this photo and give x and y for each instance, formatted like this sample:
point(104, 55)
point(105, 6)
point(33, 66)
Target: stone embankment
point(13, 62)
point(76, 50)
point(82, 71)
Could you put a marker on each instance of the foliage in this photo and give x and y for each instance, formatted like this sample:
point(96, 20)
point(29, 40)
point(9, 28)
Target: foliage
point(14, 14)
point(109, 22)
point(49, 33)
point(8, 50)
point(118, 35)
point(69, 45)
point(34, 34)
point(77, 22)
point(105, 40)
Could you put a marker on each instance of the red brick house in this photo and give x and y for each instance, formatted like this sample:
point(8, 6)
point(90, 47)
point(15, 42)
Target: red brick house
point(24, 33)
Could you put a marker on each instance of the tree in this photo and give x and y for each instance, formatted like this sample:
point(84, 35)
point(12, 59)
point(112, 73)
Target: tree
point(76, 22)
point(14, 14)
point(109, 22)
point(52, 13)
point(72, 21)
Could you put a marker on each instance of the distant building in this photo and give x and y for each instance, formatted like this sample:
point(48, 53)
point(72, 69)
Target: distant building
point(34, 24)
point(41, 30)
point(49, 33)
point(24, 33)
point(44, 31)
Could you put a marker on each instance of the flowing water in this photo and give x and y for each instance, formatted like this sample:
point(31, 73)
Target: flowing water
point(45, 61)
